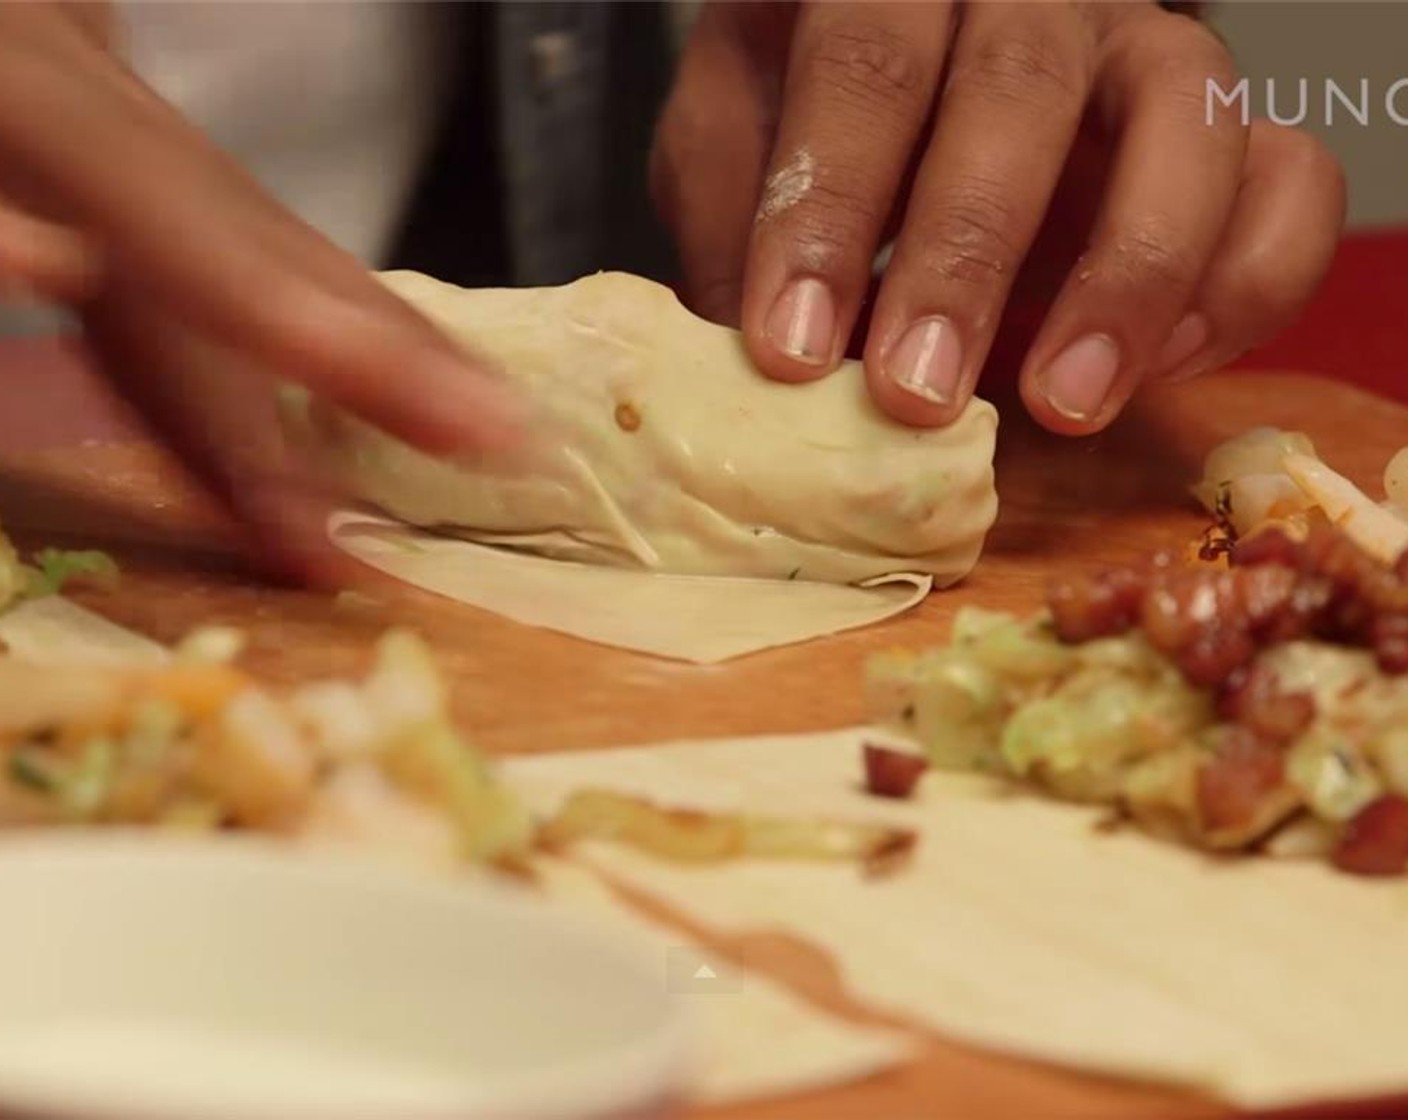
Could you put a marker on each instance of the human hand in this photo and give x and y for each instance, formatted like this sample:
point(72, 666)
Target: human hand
point(1055, 156)
point(198, 292)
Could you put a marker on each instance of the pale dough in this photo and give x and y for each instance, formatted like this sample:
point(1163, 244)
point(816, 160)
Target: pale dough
point(1023, 927)
point(703, 619)
point(659, 447)
point(754, 1038)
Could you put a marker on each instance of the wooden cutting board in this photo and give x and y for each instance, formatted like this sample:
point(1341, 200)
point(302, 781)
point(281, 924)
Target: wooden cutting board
point(1065, 505)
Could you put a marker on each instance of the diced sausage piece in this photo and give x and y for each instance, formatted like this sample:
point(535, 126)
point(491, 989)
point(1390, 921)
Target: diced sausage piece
point(1375, 842)
point(892, 773)
point(1253, 697)
point(1238, 780)
point(1096, 606)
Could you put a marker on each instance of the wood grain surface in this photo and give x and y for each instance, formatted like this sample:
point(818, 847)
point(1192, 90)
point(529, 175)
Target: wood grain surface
point(1065, 505)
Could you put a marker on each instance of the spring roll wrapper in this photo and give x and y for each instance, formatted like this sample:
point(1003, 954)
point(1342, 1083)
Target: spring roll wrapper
point(1025, 927)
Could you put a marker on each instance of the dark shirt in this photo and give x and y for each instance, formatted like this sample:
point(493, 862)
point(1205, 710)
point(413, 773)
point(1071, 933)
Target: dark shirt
point(539, 173)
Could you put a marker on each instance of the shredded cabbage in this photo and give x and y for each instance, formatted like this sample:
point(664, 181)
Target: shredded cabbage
point(958, 709)
point(437, 765)
point(1330, 774)
point(1018, 650)
point(197, 744)
point(30, 770)
point(84, 789)
point(53, 568)
point(1081, 738)
point(12, 574)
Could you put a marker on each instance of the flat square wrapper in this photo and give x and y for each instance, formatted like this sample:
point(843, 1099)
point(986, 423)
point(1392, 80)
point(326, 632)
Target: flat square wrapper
point(1023, 927)
point(754, 1038)
point(688, 618)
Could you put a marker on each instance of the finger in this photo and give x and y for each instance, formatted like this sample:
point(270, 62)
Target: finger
point(95, 18)
point(859, 88)
point(712, 144)
point(1009, 114)
point(1278, 246)
point(44, 259)
point(211, 245)
point(220, 416)
point(1171, 192)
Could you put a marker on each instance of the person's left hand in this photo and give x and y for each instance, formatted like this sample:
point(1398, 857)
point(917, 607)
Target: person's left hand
point(1053, 162)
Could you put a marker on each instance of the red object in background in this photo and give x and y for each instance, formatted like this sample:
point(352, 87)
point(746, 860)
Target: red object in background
point(1356, 329)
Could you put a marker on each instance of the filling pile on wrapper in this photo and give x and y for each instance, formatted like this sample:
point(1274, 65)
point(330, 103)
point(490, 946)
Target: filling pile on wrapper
point(1255, 701)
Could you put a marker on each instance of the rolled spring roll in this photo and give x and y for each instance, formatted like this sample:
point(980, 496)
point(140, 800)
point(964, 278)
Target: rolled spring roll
point(657, 445)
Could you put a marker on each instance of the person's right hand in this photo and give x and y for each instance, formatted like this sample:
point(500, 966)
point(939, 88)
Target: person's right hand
point(1053, 191)
point(197, 291)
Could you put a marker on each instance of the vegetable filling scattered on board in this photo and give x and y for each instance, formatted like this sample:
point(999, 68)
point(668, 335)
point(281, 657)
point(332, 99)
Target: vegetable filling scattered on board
point(48, 571)
point(1256, 702)
point(198, 744)
point(377, 763)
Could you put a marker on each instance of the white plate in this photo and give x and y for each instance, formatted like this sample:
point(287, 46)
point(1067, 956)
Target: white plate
point(223, 979)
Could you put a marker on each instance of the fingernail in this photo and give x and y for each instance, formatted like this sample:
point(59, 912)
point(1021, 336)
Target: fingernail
point(1081, 377)
point(1185, 340)
point(927, 361)
point(802, 323)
